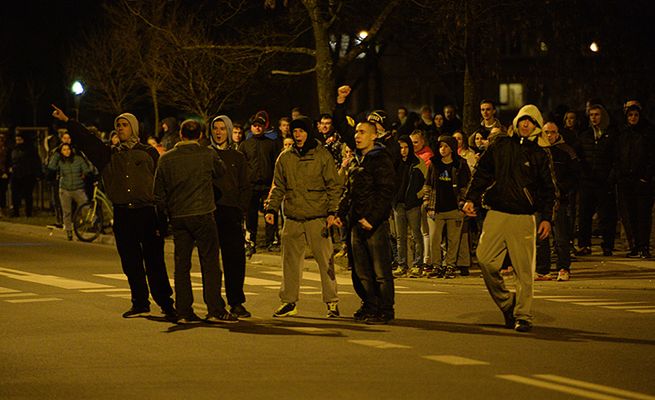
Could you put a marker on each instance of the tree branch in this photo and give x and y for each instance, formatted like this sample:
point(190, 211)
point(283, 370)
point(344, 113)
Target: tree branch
point(293, 73)
point(260, 49)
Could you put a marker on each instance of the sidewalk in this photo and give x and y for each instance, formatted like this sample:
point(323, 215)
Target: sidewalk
point(594, 271)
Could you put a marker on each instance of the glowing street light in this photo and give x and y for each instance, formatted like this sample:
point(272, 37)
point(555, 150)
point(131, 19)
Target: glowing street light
point(362, 35)
point(78, 90)
point(594, 47)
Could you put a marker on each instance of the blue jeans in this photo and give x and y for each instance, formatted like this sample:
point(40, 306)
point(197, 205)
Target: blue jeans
point(408, 220)
point(372, 259)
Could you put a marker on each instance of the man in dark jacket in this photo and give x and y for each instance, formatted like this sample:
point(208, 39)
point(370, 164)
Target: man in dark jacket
point(566, 166)
point(184, 183)
point(261, 153)
point(25, 169)
point(366, 203)
point(513, 180)
point(596, 147)
point(128, 174)
point(232, 199)
point(634, 166)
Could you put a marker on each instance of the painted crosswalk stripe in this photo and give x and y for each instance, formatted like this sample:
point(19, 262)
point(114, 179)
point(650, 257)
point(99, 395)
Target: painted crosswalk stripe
point(642, 311)
point(597, 387)
point(105, 290)
point(49, 280)
point(608, 303)
point(7, 290)
point(310, 276)
point(557, 387)
point(628, 307)
point(34, 300)
point(309, 330)
point(576, 299)
point(419, 292)
point(121, 296)
point(17, 294)
point(380, 344)
point(558, 297)
point(455, 360)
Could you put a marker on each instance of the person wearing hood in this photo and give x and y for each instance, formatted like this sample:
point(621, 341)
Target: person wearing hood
point(410, 176)
point(128, 171)
point(447, 179)
point(366, 204)
point(566, 166)
point(232, 197)
point(169, 133)
point(596, 147)
point(306, 181)
point(260, 152)
point(513, 181)
point(634, 166)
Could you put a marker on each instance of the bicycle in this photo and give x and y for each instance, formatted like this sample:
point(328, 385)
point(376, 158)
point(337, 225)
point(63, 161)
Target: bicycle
point(89, 218)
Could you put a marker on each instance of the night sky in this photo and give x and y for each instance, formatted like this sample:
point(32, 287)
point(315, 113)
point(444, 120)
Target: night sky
point(36, 38)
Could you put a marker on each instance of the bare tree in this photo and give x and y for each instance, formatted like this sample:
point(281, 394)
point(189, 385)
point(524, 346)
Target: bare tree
point(33, 93)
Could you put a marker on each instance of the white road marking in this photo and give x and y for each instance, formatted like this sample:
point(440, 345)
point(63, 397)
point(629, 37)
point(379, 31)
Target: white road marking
point(121, 296)
point(104, 290)
point(309, 330)
point(310, 276)
point(49, 280)
point(120, 277)
point(569, 300)
point(455, 360)
point(17, 294)
point(419, 292)
point(609, 303)
point(380, 344)
point(7, 290)
point(594, 386)
point(35, 300)
point(642, 311)
point(250, 281)
point(628, 307)
point(558, 388)
point(558, 297)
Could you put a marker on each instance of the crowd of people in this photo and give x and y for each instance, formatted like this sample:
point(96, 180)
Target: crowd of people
point(419, 197)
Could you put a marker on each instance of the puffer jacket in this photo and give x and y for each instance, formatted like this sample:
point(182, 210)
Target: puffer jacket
point(370, 188)
point(307, 183)
point(71, 171)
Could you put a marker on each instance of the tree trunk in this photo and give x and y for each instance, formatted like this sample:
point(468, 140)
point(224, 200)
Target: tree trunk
point(155, 109)
point(325, 85)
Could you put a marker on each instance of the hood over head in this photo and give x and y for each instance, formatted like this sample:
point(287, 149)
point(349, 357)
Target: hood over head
point(532, 112)
point(410, 145)
point(134, 124)
point(228, 124)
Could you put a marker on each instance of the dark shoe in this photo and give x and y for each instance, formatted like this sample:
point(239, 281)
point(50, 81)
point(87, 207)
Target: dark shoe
point(222, 317)
point(286, 310)
point(362, 314)
point(583, 251)
point(508, 314)
point(240, 311)
point(449, 273)
point(273, 248)
point(415, 272)
point(633, 254)
point(333, 310)
point(136, 312)
point(69, 235)
point(464, 271)
point(607, 252)
point(250, 250)
point(379, 319)
point(170, 314)
point(644, 254)
point(400, 272)
point(522, 325)
point(189, 319)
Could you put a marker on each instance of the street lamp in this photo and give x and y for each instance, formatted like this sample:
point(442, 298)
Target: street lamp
point(78, 90)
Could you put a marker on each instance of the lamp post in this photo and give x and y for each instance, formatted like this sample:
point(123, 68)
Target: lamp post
point(78, 91)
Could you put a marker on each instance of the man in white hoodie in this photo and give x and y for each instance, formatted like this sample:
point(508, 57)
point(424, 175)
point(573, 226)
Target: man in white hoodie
point(514, 181)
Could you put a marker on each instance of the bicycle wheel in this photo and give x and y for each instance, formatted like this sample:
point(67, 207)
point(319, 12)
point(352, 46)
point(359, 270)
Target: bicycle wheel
point(86, 224)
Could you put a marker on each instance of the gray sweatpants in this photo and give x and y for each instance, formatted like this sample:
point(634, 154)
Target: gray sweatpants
point(67, 197)
point(294, 236)
point(502, 232)
point(452, 221)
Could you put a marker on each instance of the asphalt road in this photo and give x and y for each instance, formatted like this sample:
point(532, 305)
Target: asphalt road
point(62, 337)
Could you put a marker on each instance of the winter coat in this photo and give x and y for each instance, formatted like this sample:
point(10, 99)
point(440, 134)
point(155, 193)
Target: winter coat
point(461, 174)
point(25, 162)
point(261, 153)
point(72, 170)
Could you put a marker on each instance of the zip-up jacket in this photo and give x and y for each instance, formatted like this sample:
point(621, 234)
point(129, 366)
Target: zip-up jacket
point(261, 153)
point(461, 174)
point(71, 171)
point(515, 176)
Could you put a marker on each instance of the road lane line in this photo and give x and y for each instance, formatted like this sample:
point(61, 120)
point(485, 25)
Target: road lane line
point(609, 303)
point(105, 290)
point(309, 330)
point(419, 292)
point(627, 307)
point(455, 360)
point(49, 280)
point(7, 290)
point(17, 294)
point(310, 276)
point(35, 300)
point(597, 387)
point(120, 277)
point(558, 388)
point(120, 296)
point(559, 297)
point(642, 311)
point(380, 344)
point(578, 299)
